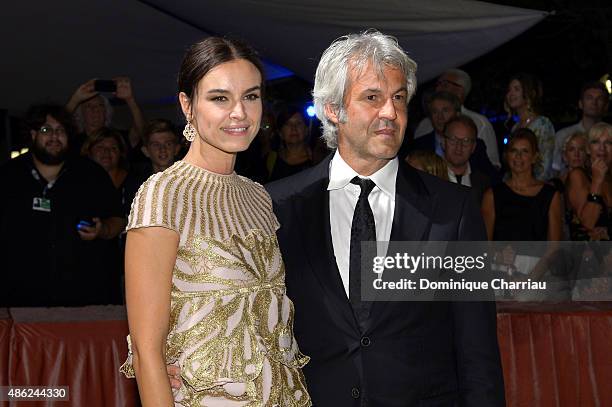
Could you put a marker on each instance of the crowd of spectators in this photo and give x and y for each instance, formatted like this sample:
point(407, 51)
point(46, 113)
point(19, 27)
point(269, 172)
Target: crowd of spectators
point(547, 186)
point(69, 197)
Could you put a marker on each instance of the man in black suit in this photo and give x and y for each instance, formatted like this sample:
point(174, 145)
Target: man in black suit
point(377, 353)
point(459, 144)
point(442, 107)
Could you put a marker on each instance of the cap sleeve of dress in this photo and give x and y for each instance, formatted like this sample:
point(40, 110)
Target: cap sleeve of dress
point(155, 203)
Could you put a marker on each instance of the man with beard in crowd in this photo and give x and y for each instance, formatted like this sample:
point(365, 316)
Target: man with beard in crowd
point(59, 218)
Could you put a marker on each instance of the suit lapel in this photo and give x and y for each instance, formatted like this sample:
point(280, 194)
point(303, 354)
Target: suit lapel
point(313, 212)
point(413, 207)
point(411, 219)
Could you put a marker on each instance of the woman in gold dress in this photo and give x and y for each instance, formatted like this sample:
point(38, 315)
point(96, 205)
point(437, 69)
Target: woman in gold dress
point(204, 274)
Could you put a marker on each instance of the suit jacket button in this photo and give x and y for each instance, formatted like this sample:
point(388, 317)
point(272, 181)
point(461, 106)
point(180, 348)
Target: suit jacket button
point(365, 342)
point(355, 392)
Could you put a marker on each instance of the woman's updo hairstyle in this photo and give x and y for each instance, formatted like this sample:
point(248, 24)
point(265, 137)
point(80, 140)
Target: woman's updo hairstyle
point(205, 55)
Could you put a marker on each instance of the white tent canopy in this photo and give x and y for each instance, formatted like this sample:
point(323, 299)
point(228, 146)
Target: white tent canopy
point(49, 48)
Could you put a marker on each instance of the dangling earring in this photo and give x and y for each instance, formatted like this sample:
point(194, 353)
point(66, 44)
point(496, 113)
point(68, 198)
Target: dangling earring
point(189, 132)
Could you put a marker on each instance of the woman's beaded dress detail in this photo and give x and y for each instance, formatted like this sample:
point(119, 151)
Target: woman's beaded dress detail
point(231, 323)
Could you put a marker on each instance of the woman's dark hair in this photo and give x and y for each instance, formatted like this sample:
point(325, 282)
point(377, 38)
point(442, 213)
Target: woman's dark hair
point(203, 56)
point(286, 112)
point(533, 90)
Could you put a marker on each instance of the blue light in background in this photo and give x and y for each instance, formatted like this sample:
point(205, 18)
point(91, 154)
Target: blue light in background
point(310, 111)
point(505, 140)
point(274, 71)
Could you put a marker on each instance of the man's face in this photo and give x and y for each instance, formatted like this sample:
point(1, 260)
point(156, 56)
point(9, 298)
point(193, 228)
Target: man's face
point(441, 111)
point(94, 113)
point(459, 144)
point(451, 83)
point(376, 115)
point(50, 142)
point(162, 148)
point(593, 103)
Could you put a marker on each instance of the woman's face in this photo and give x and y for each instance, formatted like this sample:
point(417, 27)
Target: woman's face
point(106, 153)
point(294, 130)
point(575, 153)
point(514, 96)
point(226, 109)
point(521, 157)
point(601, 148)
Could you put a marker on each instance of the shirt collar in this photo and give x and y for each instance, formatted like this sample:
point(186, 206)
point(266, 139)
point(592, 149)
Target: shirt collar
point(341, 174)
point(467, 172)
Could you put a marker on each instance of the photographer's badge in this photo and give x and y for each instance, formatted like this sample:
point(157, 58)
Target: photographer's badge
point(41, 204)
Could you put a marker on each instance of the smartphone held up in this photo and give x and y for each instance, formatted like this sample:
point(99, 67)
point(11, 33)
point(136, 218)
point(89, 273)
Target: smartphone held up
point(105, 85)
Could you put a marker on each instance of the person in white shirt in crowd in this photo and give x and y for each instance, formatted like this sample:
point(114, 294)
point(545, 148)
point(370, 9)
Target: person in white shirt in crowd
point(444, 106)
point(459, 83)
point(594, 105)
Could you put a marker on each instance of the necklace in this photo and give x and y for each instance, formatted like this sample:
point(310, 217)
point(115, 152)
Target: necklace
point(527, 121)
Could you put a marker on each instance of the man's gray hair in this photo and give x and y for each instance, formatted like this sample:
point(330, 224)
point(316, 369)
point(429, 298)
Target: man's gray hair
point(79, 120)
point(464, 79)
point(356, 50)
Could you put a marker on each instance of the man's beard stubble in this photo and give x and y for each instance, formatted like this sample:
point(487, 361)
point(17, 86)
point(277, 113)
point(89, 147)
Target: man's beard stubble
point(47, 158)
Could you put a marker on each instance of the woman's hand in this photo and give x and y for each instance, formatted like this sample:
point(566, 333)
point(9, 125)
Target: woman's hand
point(599, 169)
point(124, 88)
point(174, 375)
point(599, 233)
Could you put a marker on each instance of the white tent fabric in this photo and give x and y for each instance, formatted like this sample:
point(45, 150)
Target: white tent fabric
point(49, 48)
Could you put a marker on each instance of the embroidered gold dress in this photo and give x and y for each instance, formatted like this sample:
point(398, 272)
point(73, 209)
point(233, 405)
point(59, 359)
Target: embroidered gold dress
point(231, 323)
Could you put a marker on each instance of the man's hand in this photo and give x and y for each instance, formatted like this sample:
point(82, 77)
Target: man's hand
point(91, 232)
point(174, 374)
point(124, 88)
point(81, 94)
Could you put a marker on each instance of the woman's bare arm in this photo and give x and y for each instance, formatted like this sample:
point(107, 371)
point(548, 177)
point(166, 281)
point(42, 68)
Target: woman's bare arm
point(488, 212)
point(149, 260)
point(578, 190)
point(555, 220)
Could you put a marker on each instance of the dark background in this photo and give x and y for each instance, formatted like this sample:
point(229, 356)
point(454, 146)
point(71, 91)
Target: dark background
point(569, 47)
point(566, 49)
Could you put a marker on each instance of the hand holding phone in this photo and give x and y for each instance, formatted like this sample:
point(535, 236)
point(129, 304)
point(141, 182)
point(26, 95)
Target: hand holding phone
point(86, 222)
point(89, 228)
point(124, 88)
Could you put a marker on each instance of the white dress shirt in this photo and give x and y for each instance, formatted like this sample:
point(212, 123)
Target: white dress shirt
point(465, 178)
point(343, 198)
point(485, 132)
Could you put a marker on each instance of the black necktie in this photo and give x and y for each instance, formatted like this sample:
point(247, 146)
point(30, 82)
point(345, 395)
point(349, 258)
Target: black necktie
point(363, 229)
point(459, 176)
